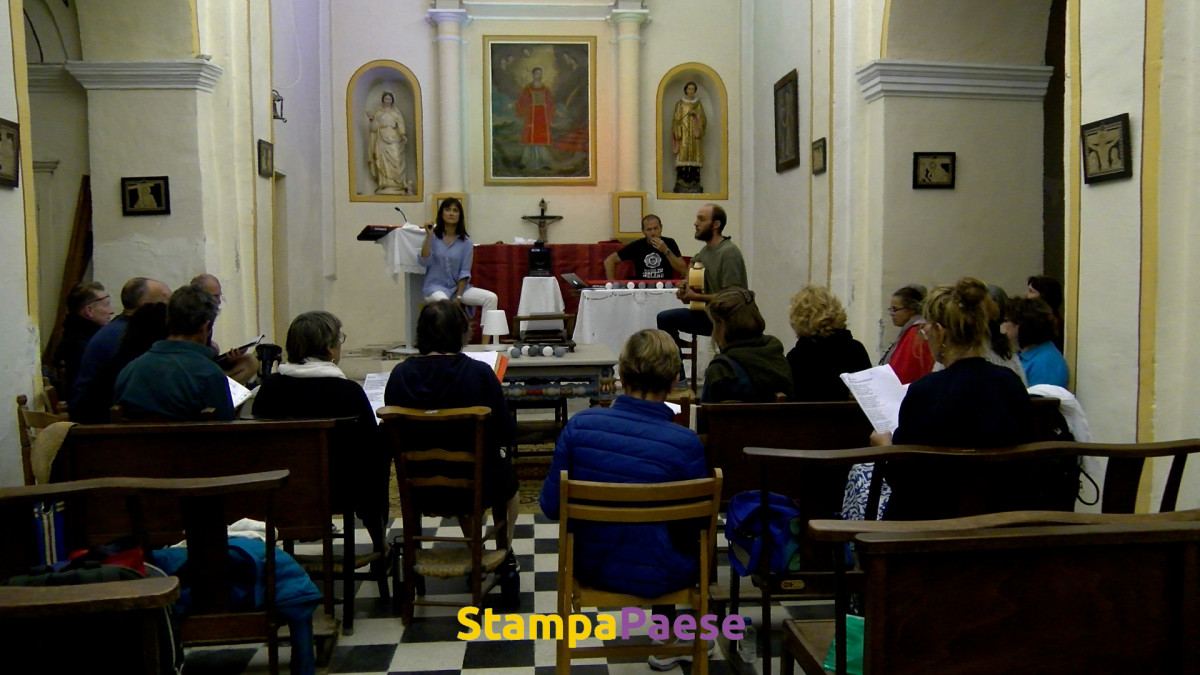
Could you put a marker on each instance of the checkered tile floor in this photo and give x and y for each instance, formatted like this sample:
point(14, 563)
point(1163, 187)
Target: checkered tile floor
point(380, 644)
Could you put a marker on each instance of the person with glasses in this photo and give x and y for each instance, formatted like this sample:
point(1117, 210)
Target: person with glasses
point(972, 403)
point(751, 367)
point(311, 385)
point(89, 308)
point(909, 355)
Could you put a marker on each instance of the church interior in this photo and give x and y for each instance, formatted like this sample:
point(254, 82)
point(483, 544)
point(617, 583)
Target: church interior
point(240, 138)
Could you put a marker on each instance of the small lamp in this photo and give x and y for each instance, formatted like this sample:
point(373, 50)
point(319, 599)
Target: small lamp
point(495, 324)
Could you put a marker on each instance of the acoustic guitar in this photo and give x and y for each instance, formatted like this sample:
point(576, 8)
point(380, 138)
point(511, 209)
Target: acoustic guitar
point(696, 280)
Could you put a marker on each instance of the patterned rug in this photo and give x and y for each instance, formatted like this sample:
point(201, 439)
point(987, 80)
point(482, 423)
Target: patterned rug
point(533, 462)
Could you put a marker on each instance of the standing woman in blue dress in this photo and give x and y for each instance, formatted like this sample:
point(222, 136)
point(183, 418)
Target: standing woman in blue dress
point(447, 255)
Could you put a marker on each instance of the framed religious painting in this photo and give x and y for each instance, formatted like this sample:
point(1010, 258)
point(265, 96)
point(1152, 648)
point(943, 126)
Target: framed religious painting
point(539, 110)
point(787, 122)
point(10, 153)
point(145, 196)
point(1105, 146)
point(934, 170)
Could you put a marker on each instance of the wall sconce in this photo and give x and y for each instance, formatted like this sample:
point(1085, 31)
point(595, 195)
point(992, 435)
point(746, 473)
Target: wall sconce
point(277, 106)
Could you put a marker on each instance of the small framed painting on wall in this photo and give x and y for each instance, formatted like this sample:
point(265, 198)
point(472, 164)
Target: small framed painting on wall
point(145, 196)
point(933, 170)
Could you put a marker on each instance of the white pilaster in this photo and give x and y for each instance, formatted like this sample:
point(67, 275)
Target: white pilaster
point(449, 24)
point(629, 55)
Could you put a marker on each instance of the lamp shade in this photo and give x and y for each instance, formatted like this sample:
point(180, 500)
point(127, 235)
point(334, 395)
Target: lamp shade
point(495, 322)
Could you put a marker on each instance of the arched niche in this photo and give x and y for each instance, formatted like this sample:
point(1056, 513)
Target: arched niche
point(364, 95)
point(710, 90)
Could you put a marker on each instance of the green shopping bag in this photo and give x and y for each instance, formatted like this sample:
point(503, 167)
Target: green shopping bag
point(854, 647)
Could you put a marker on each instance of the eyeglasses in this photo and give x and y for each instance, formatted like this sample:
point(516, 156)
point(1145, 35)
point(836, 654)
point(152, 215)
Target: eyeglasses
point(104, 298)
point(894, 310)
point(341, 338)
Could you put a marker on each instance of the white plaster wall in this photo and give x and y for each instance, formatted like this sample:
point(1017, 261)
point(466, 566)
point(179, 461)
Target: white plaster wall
point(1110, 226)
point(990, 225)
point(780, 260)
point(59, 124)
point(708, 32)
point(164, 29)
point(366, 298)
point(984, 31)
point(301, 158)
point(19, 343)
point(146, 133)
point(1177, 365)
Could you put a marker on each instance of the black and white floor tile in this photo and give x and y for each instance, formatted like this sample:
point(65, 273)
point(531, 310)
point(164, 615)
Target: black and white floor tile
point(381, 645)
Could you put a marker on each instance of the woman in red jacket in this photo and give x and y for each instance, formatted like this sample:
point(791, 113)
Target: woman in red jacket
point(909, 355)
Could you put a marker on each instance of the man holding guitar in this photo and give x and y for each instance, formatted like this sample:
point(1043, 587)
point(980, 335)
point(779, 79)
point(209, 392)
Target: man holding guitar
point(717, 266)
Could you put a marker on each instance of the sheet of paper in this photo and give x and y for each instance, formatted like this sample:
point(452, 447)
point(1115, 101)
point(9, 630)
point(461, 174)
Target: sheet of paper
point(879, 393)
point(374, 385)
point(497, 361)
point(237, 392)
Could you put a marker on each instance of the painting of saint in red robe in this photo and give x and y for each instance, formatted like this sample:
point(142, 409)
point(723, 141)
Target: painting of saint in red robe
point(540, 104)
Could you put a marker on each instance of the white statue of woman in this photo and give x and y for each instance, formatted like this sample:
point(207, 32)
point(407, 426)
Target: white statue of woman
point(385, 148)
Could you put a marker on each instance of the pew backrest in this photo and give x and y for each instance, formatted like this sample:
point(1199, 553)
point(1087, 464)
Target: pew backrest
point(1045, 599)
point(201, 450)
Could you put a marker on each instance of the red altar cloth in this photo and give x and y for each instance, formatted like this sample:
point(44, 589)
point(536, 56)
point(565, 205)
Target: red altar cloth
point(500, 268)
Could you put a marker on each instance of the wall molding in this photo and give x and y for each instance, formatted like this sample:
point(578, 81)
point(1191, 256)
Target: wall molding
point(938, 79)
point(50, 78)
point(45, 165)
point(562, 10)
point(199, 74)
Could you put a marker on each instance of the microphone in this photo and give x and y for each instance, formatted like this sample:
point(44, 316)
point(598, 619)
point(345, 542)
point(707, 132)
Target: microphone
point(401, 213)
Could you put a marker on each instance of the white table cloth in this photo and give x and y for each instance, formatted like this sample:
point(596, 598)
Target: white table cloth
point(540, 295)
point(610, 317)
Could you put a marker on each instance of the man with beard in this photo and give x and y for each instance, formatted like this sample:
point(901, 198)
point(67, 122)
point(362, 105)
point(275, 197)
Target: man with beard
point(723, 268)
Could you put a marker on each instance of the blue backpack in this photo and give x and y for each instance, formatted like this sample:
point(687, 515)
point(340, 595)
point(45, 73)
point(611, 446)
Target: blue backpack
point(743, 530)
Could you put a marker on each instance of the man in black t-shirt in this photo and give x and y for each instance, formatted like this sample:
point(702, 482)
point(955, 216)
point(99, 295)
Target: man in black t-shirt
point(654, 257)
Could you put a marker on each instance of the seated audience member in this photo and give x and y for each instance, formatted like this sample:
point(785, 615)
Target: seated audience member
point(998, 349)
point(751, 367)
point(1049, 289)
point(177, 378)
point(237, 364)
point(972, 403)
point(89, 308)
point(103, 346)
point(654, 256)
point(824, 347)
point(1029, 325)
point(147, 326)
point(909, 355)
point(442, 377)
point(311, 385)
point(634, 441)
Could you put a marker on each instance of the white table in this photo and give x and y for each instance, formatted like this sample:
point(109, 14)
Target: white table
point(540, 295)
point(610, 317)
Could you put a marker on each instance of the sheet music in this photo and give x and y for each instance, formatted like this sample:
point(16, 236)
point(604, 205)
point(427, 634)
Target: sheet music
point(878, 392)
point(237, 392)
point(374, 385)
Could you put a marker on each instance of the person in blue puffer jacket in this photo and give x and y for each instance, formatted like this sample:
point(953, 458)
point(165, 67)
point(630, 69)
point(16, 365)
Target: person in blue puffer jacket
point(634, 441)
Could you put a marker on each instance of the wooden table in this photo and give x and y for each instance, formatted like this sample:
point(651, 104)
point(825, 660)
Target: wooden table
point(587, 372)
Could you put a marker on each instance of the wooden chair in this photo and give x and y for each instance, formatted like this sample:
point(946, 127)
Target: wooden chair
point(29, 422)
point(967, 498)
point(123, 617)
point(374, 563)
point(50, 398)
point(439, 457)
point(1028, 592)
point(624, 503)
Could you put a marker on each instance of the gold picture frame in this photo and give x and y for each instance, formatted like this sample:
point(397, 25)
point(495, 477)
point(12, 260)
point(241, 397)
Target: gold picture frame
point(628, 210)
point(365, 98)
point(540, 110)
point(711, 93)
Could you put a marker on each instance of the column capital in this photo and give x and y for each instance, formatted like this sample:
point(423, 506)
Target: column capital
point(634, 16)
point(438, 17)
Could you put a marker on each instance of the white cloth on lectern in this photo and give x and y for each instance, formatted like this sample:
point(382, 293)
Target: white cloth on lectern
point(401, 247)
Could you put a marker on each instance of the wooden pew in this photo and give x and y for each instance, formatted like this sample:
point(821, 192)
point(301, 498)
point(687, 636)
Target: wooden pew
point(968, 498)
point(208, 449)
point(831, 425)
point(1020, 592)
